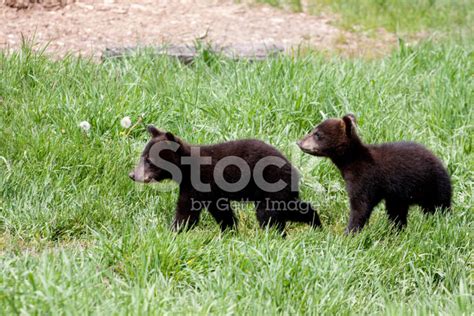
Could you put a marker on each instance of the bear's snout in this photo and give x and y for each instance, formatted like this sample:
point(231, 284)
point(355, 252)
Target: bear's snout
point(138, 178)
point(306, 144)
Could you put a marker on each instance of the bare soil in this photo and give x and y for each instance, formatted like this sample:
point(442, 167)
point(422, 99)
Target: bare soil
point(88, 27)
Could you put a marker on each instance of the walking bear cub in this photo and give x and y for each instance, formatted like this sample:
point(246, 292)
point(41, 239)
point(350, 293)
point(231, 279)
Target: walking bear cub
point(402, 174)
point(211, 176)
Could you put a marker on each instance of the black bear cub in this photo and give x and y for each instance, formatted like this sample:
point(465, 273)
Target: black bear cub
point(211, 176)
point(402, 174)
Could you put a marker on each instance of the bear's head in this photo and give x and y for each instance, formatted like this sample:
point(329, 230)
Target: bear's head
point(160, 157)
point(331, 138)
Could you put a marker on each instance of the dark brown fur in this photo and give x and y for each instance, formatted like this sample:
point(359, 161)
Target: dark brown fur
point(249, 150)
point(402, 174)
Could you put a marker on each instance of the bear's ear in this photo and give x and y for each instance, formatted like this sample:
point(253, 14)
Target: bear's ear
point(169, 136)
point(154, 132)
point(350, 122)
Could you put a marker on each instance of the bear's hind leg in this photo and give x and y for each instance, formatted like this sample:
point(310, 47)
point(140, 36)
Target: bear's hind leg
point(442, 204)
point(428, 209)
point(440, 197)
point(302, 212)
point(397, 213)
point(223, 214)
point(432, 208)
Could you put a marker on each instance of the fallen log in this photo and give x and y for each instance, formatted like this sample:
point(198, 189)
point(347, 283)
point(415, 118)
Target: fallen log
point(187, 53)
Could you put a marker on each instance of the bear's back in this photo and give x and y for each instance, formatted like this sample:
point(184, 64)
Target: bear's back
point(251, 150)
point(408, 167)
point(404, 155)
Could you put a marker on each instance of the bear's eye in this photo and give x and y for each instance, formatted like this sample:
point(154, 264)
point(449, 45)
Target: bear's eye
point(317, 135)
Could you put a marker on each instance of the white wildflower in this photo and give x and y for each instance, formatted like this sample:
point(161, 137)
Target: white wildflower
point(85, 126)
point(126, 122)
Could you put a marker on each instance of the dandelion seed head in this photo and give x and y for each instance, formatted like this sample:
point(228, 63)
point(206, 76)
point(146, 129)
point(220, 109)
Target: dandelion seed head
point(85, 126)
point(126, 122)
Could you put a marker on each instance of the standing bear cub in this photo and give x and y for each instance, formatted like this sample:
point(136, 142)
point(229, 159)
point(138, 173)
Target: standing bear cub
point(211, 176)
point(402, 174)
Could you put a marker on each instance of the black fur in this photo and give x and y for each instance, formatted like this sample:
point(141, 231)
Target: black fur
point(402, 174)
point(272, 207)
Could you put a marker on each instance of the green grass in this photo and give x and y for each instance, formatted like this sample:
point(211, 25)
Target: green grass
point(77, 236)
point(394, 16)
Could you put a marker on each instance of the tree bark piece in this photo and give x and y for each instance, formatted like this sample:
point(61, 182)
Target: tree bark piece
point(187, 53)
point(24, 4)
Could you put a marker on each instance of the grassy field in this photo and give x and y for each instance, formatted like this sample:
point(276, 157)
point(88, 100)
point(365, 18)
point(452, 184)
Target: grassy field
point(405, 16)
point(77, 236)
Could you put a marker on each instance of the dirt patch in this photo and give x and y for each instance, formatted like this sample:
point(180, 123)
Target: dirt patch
point(88, 27)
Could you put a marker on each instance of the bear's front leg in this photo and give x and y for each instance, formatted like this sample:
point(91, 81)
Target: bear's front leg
point(361, 208)
point(187, 213)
